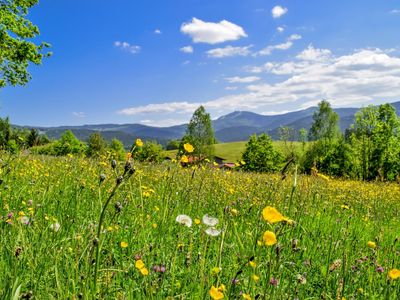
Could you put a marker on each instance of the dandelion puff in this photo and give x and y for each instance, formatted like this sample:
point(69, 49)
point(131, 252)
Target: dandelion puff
point(184, 220)
point(55, 226)
point(212, 231)
point(210, 221)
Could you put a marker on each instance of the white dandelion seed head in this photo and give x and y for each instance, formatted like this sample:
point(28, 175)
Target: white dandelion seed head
point(210, 221)
point(184, 220)
point(212, 231)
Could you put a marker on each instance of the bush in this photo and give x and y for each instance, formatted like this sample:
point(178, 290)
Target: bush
point(260, 155)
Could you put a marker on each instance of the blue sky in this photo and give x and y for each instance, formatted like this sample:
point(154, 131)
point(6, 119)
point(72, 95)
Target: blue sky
point(154, 62)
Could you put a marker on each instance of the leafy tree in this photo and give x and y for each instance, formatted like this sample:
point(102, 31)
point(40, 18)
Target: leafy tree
point(260, 154)
point(117, 149)
point(96, 145)
point(17, 50)
point(68, 144)
point(33, 139)
point(200, 134)
point(325, 123)
point(172, 145)
point(303, 137)
point(151, 152)
point(5, 132)
point(376, 140)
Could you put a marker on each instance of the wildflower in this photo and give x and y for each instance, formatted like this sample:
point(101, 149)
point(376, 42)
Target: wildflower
point(380, 269)
point(24, 220)
point(139, 143)
point(184, 159)
point(212, 231)
point(124, 244)
point(55, 226)
point(394, 274)
point(184, 220)
point(215, 271)
point(144, 271)
point(344, 206)
point(269, 238)
point(154, 225)
point(210, 221)
point(216, 293)
point(273, 281)
point(234, 211)
point(139, 264)
point(188, 148)
point(255, 277)
point(301, 279)
point(197, 221)
point(252, 264)
point(128, 155)
point(235, 281)
point(371, 245)
point(246, 296)
point(272, 215)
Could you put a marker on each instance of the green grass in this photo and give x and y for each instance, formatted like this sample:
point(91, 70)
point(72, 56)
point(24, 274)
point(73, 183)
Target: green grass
point(323, 253)
point(232, 152)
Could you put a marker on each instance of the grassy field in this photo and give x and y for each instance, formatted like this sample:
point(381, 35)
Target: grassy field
point(232, 152)
point(333, 239)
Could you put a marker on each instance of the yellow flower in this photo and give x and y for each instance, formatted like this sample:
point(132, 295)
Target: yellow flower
point(128, 155)
point(197, 221)
point(139, 264)
point(154, 225)
point(216, 294)
point(124, 244)
point(269, 238)
point(215, 271)
point(246, 296)
point(394, 274)
point(256, 278)
point(272, 215)
point(252, 264)
point(184, 159)
point(371, 245)
point(188, 148)
point(144, 271)
point(139, 143)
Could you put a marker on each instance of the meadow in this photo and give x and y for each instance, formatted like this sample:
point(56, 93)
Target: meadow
point(198, 232)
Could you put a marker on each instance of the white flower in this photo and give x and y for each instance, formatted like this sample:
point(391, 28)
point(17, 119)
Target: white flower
point(184, 220)
point(24, 220)
point(212, 231)
point(55, 227)
point(210, 221)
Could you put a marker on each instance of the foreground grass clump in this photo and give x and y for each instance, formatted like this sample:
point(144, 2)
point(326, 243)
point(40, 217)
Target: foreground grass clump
point(193, 233)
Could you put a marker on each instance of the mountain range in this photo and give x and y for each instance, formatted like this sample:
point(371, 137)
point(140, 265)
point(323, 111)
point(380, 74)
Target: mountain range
point(235, 126)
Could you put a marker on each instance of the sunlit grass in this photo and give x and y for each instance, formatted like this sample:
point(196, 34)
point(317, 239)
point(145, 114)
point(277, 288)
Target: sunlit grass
point(145, 253)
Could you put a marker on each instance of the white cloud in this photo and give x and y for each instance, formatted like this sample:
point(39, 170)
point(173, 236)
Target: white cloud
point(212, 33)
point(157, 31)
point(278, 11)
point(283, 46)
point(355, 79)
point(229, 51)
point(127, 47)
point(231, 88)
point(187, 49)
point(395, 11)
point(247, 79)
point(280, 29)
point(79, 114)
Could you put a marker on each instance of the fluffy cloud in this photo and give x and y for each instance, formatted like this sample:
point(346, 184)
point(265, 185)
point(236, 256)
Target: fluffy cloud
point(229, 51)
point(127, 47)
point(157, 31)
point(280, 29)
point(395, 11)
point(278, 11)
point(187, 49)
point(355, 79)
point(212, 33)
point(284, 46)
point(247, 79)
